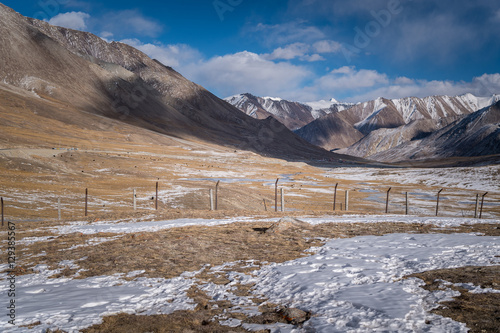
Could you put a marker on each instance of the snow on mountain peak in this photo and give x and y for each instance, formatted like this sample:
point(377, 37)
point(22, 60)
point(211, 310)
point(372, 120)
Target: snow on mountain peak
point(275, 99)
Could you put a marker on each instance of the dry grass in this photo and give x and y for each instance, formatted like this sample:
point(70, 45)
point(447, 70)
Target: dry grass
point(169, 253)
point(481, 312)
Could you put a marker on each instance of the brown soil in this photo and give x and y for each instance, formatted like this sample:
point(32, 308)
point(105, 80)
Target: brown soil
point(481, 312)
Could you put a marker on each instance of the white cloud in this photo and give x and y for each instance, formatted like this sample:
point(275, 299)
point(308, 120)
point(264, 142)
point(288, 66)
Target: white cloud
point(327, 46)
point(402, 80)
point(289, 52)
point(107, 36)
point(293, 51)
point(485, 85)
point(348, 78)
point(280, 34)
point(130, 22)
point(176, 56)
point(312, 58)
point(248, 72)
point(71, 20)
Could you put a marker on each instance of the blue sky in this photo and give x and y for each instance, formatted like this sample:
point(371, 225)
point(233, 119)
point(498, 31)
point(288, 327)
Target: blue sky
point(303, 50)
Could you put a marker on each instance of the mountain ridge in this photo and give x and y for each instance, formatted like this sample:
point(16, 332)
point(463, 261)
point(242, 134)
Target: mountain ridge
point(120, 82)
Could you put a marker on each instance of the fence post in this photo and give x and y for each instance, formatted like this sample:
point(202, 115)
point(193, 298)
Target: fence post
point(156, 197)
point(346, 200)
point(276, 195)
point(2, 209)
point(217, 195)
point(58, 209)
point(265, 205)
point(134, 198)
point(437, 202)
point(406, 203)
point(387, 201)
point(86, 200)
point(482, 202)
point(335, 197)
point(282, 199)
point(211, 199)
point(477, 205)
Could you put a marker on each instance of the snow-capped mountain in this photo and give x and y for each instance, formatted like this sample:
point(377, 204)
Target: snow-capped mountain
point(477, 134)
point(390, 113)
point(387, 123)
point(292, 114)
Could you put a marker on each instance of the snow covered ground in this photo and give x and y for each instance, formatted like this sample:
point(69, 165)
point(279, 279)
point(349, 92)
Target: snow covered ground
point(470, 178)
point(350, 285)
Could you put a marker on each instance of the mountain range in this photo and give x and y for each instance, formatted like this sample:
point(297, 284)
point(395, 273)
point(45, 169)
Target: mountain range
point(374, 128)
point(293, 115)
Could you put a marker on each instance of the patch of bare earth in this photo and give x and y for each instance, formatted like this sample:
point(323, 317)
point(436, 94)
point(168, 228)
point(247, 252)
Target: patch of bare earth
point(480, 312)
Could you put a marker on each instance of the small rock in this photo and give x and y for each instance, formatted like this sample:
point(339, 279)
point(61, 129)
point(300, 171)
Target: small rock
point(287, 223)
point(295, 316)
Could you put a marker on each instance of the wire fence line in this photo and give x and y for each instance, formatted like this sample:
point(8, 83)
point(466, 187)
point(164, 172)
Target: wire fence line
point(289, 196)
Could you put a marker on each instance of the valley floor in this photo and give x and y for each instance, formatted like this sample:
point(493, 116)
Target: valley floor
point(180, 266)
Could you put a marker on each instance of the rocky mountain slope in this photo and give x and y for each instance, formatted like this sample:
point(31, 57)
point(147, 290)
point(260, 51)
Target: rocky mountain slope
point(385, 113)
point(477, 134)
point(115, 80)
point(332, 131)
point(386, 138)
point(292, 114)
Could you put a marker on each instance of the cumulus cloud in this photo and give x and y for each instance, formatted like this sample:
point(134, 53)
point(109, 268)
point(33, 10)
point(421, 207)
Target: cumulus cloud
point(305, 52)
point(484, 85)
point(130, 23)
point(248, 72)
point(294, 51)
point(289, 52)
point(327, 46)
point(71, 20)
point(349, 78)
point(173, 55)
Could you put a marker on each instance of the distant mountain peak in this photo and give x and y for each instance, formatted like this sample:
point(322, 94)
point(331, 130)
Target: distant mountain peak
point(291, 113)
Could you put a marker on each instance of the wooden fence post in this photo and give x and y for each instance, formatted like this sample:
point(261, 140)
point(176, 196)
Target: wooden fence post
point(217, 195)
point(406, 203)
point(387, 201)
point(437, 202)
point(86, 200)
point(282, 199)
point(276, 195)
point(335, 197)
point(211, 199)
point(346, 200)
point(2, 209)
point(134, 198)
point(59, 209)
point(156, 197)
point(477, 205)
point(482, 202)
point(265, 205)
